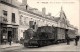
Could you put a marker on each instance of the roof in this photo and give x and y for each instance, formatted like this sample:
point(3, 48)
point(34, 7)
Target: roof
point(36, 12)
point(8, 4)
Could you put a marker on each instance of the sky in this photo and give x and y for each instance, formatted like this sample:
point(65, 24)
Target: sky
point(70, 7)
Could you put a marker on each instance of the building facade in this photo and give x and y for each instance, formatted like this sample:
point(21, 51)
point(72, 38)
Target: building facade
point(17, 17)
point(8, 20)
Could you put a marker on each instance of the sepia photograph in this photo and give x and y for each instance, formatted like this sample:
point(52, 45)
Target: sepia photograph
point(39, 26)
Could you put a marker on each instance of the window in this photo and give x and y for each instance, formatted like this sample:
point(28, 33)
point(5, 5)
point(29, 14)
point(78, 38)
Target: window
point(33, 26)
point(13, 17)
point(31, 23)
point(24, 20)
point(4, 12)
point(20, 21)
point(35, 23)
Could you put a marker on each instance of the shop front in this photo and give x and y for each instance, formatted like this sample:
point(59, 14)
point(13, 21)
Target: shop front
point(3, 33)
point(9, 32)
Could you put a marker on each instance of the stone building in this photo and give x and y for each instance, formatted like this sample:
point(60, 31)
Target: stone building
point(8, 21)
point(17, 17)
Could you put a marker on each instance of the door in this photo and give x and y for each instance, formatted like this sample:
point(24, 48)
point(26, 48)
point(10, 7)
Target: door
point(9, 35)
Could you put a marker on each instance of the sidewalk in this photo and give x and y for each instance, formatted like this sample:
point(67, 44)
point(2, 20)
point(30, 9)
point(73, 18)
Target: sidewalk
point(9, 46)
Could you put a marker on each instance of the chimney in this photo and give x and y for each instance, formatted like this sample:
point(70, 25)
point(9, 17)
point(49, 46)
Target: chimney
point(24, 2)
point(43, 12)
point(49, 14)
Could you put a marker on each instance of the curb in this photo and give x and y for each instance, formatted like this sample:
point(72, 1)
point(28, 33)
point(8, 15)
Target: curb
point(10, 47)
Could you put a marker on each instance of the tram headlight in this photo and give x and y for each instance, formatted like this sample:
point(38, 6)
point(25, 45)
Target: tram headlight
point(31, 38)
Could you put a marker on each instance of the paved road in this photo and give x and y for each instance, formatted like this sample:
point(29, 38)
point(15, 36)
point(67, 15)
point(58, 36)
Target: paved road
point(58, 47)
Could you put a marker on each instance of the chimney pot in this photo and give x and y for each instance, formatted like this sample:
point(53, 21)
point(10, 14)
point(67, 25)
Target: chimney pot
point(43, 11)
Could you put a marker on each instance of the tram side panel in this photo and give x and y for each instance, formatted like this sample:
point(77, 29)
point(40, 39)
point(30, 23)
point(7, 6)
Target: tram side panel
point(71, 34)
point(60, 35)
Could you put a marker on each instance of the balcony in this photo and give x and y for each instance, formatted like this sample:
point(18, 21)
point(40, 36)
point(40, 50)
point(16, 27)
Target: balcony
point(3, 19)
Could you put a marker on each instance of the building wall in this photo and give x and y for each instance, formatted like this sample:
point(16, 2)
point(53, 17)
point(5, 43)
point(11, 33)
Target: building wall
point(9, 25)
point(22, 19)
point(9, 10)
point(40, 21)
point(23, 23)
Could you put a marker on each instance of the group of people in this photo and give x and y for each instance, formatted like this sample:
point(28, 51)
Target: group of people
point(76, 40)
point(10, 40)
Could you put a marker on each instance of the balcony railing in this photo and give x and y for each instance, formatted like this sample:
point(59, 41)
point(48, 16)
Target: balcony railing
point(3, 19)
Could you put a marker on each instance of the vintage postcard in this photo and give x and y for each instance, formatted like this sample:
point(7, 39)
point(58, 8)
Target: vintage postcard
point(39, 25)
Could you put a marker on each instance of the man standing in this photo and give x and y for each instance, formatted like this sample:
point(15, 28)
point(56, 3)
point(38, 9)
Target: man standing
point(68, 40)
point(76, 40)
point(10, 39)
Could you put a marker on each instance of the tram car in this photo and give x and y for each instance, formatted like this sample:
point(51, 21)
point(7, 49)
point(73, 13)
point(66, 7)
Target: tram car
point(71, 34)
point(45, 35)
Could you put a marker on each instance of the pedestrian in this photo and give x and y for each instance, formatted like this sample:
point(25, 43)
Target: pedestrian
point(76, 40)
point(10, 39)
point(68, 41)
point(21, 40)
point(5, 41)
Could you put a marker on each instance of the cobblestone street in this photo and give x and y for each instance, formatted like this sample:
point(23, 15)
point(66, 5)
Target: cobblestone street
point(57, 47)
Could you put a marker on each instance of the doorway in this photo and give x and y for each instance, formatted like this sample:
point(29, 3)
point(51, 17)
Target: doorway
point(9, 35)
